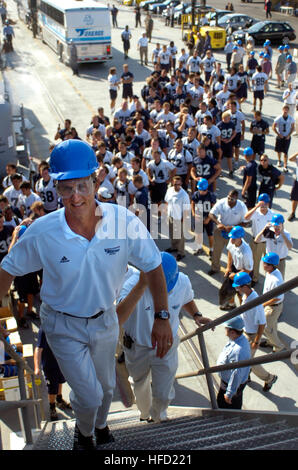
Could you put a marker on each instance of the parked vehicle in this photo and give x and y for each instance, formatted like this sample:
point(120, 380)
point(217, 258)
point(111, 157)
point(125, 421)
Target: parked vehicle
point(276, 31)
point(231, 22)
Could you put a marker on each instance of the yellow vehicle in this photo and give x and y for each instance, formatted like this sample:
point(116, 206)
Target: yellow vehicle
point(217, 34)
point(130, 3)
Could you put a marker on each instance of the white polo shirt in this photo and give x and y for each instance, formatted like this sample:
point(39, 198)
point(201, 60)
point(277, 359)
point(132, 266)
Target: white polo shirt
point(81, 277)
point(255, 316)
point(273, 280)
point(242, 256)
point(178, 202)
point(229, 215)
point(259, 221)
point(277, 245)
point(139, 324)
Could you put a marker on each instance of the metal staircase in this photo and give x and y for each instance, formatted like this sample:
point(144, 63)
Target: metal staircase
point(186, 430)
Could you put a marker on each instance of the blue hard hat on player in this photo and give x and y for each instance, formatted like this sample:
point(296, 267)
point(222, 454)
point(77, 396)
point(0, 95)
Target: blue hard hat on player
point(241, 279)
point(202, 184)
point(72, 159)
point(277, 219)
point(264, 197)
point(236, 232)
point(248, 151)
point(235, 323)
point(170, 269)
point(271, 258)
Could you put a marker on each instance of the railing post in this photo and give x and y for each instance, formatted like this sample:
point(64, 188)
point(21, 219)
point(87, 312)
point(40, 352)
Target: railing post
point(205, 362)
point(24, 410)
point(36, 407)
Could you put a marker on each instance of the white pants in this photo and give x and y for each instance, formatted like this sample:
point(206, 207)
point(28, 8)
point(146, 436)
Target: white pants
point(143, 366)
point(85, 351)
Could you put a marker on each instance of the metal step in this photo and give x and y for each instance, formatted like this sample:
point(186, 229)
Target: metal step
point(289, 444)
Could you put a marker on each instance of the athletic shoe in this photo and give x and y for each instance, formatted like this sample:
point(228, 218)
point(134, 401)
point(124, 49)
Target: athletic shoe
point(81, 442)
point(179, 257)
point(199, 252)
point(53, 414)
point(63, 405)
point(279, 164)
point(291, 217)
point(269, 384)
point(285, 169)
point(103, 436)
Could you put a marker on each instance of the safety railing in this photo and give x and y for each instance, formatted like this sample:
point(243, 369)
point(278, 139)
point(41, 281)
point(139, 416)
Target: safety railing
point(24, 403)
point(199, 332)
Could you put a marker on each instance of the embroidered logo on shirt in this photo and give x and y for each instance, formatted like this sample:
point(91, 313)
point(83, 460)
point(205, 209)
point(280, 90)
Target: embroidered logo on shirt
point(175, 307)
point(64, 260)
point(112, 251)
point(147, 308)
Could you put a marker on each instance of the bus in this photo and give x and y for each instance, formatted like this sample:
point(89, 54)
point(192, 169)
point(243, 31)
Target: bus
point(85, 22)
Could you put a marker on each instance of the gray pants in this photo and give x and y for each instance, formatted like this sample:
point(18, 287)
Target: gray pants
point(144, 53)
point(85, 351)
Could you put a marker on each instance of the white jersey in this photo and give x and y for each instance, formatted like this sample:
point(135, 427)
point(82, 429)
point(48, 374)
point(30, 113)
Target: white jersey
point(208, 64)
point(6, 182)
point(284, 126)
point(164, 57)
point(160, 170)
point(221, 98)
point(155, 53)
point(47, 193)
point(122, 116)
point(183, 58)
point(27, 201)
point(241, 255)
point(142, 174)
point(123, 190)
point(108, 157)
point(258, 80)
point(212, 133)
point(194, 64)
point(232, 81)
point(237, 120)
point(125, 158)
point(172, 51)
point(199, 116)
point(113, 82)
point(255, 316)
point(162, 116)
point(12, 195)
point(180, 160)
point(139, 324)
point(191, 146)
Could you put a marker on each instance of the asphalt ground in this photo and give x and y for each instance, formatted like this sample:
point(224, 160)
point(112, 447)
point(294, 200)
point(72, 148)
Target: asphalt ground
point(50, 93)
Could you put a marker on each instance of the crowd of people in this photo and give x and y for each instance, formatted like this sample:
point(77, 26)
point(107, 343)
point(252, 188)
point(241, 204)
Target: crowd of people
point(159, 154)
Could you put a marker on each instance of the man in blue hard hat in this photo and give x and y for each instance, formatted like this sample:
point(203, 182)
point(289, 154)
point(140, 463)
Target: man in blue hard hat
point(273, 307)
point(84, 262)
point(152, 377)
point(280, 66)
point(233, 381)
point(291, 69)
point(254, 325)
point(260, 216)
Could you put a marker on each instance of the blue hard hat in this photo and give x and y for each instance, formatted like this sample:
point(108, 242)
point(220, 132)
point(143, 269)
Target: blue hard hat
point(267, 56)
point(72, 159)
point(271, 258)
point(262, 54)
point(170, 269)
point(22, 230)
point(252, 52)
point(264, 197)
point(281, 48)
point(203, 184)
point(235, 48)
point(241, 279)
point(239, 42)
point(248, 151)
point(289, 57)
point(286, 46)
point(235, 323)
point(267, 42)
point(277, 219)
point(237, 232)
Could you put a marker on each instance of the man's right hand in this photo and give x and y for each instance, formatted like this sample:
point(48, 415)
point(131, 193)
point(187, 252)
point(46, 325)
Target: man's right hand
point(161, 337)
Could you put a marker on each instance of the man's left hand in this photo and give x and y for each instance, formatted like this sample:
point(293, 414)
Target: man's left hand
point(227, 399)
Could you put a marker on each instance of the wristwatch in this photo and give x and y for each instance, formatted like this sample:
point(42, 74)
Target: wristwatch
point(162, 315)
point(197, 314)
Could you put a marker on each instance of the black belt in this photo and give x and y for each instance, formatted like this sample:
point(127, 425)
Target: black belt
point(85, 318)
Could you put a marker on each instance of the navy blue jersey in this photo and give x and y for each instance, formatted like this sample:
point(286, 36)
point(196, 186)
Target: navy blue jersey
point(226, 130)
point(206, 201)
point(141, 197)
point(259, 138)
point(270, 178)
point(250, 170)
point(204, 166)
point(212, 150)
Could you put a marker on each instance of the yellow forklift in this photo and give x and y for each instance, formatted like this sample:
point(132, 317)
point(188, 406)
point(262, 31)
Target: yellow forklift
point(197, 22)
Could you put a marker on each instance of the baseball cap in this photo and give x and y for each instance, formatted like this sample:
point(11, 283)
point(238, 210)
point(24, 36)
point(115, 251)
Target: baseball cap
point(235, 323)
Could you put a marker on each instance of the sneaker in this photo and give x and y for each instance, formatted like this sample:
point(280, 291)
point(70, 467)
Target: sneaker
point(227, 307)
point(285, 169)
point(81, 442)
point(63, 405)
point(149, 420)
point(279, 164)
point(199, 252)
point(103, 436)
point(268, 385)
point(291, 217)
point(210, 254)
point(265, 344)
point(231, 174)
point(179, 257)
point(53, 414)
point(211, 272)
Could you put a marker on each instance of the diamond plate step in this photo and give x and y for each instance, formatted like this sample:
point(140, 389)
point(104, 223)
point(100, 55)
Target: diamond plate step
point(289, 444)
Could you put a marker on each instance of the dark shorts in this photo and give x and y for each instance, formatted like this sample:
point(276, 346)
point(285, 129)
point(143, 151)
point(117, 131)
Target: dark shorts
point(127, 93)
point(54, 377)
point(242, 92)
point(236, 142)
point(27, 284)
point(113, 94)
point(258, 147)
point(227, 150)
point(158, 192)
point(209, 228)
point(250, 198)
point(207, 76)
point(165, 67)
point(259, 94)
point(282, 145)
point(294, 192)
